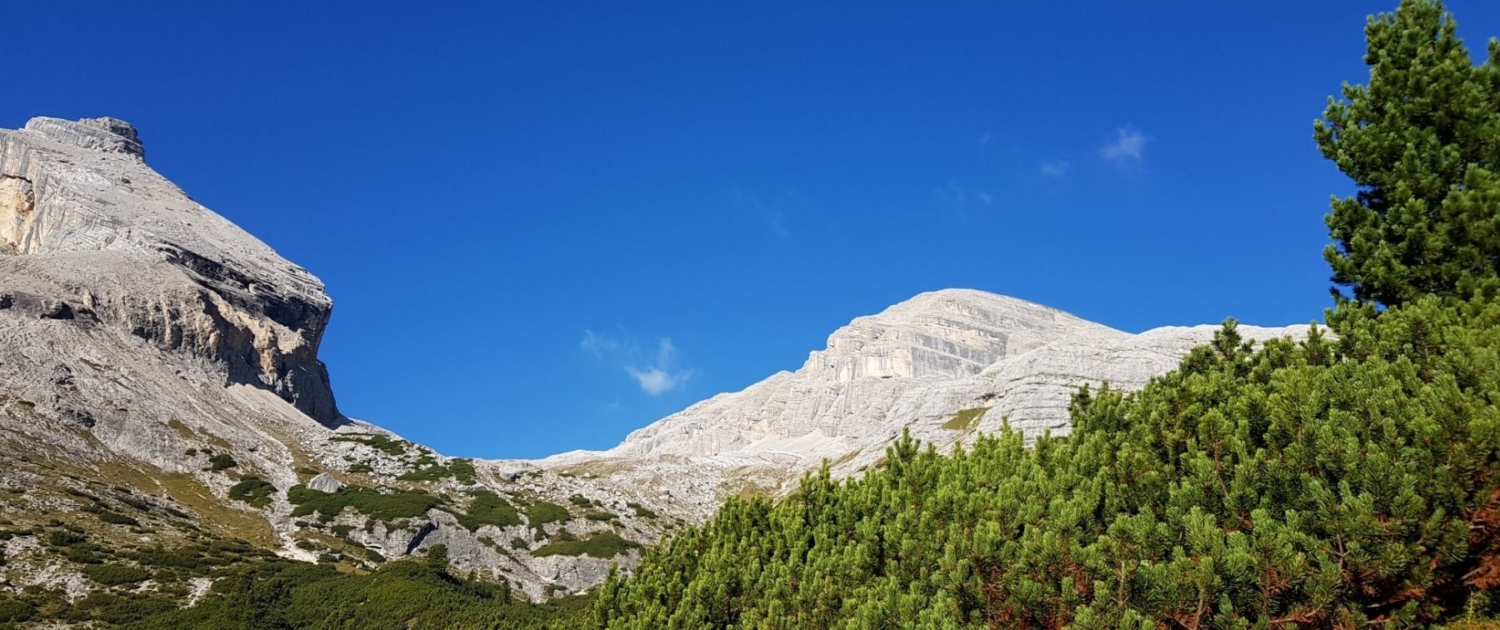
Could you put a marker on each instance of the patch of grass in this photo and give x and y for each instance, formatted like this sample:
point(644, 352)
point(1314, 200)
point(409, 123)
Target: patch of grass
point(600, 516)
point(604, 545)
point(542, 512)
point(361, 467)
point(965, 420)
point(580, 500)
point(489, 509)
point(377, 505)
point(213, 513)
point(116, 574)
point(254, 491)
point(640, 510)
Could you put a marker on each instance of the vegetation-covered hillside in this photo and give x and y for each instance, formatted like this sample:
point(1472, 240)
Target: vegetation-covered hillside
point(1324, 484)
point(1345, 482)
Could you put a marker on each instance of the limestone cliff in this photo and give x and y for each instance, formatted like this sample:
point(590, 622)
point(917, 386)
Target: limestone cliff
point(945, 366)
point(93, 232)
point(149, 346)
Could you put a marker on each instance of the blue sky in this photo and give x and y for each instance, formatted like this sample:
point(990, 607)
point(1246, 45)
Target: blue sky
point(547, 224)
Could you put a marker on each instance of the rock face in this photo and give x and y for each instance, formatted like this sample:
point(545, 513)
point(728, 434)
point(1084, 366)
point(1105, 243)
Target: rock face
point(848, 393)
point(92, 232)
point(325, 483)
point(148, 344)
point(945, 366)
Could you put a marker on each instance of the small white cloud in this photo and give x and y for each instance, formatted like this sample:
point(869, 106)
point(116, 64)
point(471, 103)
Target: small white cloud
point(1055, 169)
point(654, 370)
point(1127, 147)
point(656, 381)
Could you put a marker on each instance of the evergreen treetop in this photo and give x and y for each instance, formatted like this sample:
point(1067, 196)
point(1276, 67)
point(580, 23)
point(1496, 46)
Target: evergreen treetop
point(1422, 142)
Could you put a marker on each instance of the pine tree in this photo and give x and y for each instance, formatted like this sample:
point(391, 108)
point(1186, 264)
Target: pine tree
point(1422, 142)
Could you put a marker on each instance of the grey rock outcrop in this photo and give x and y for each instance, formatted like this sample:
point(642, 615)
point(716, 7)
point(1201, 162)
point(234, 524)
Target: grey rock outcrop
point(89, 227)
point(325, 482)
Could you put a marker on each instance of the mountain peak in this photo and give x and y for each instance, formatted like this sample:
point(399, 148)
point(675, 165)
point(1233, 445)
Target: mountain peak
point(946, 333)
point(108, 135)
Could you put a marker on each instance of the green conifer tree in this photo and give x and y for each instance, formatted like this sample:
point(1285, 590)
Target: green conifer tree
point(1422, 142)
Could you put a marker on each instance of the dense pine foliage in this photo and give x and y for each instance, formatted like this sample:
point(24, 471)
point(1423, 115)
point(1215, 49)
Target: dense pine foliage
point(404, 595)
point(1321, 484)
point(1422, 141)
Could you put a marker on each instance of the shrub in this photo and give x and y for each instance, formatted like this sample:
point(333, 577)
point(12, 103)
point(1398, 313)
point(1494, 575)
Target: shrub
point(461, 470)
point(603, 545)
point(487, 508)
point(379, 506)
point(116, 574)
point(254, 491)
point(65, 538)
point(382, 443)
point(542, 512)
point(15, 611)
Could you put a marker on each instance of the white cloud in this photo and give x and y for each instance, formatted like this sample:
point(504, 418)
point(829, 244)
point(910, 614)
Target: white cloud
point(1127, 147)
point(654, 370)
point(656, 381)
point(1056, 169)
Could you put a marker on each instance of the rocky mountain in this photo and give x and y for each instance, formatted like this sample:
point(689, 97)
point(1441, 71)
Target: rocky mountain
point(945, 366)
point(160, 384)
point(163, 410)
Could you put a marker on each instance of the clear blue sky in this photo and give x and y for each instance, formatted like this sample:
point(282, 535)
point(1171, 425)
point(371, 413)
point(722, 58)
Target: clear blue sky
point(546, 224)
